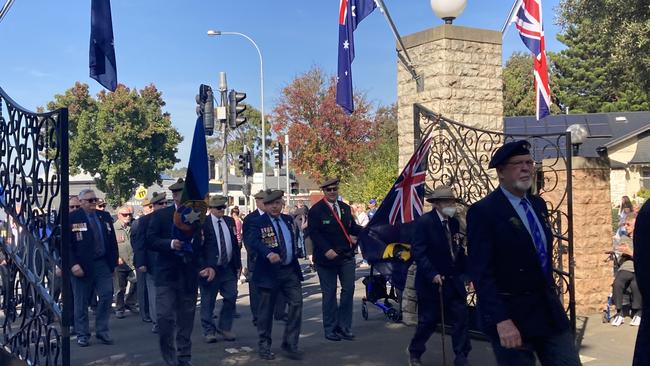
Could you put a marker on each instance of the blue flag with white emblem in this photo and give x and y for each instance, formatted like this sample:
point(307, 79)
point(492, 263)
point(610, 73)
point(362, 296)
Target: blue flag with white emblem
point(103, 67)
point(351, 13)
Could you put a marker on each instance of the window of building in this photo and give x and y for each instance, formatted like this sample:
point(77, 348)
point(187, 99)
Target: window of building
point(645, 177)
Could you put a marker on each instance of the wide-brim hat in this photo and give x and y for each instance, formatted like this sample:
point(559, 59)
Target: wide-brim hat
point(146, 202)
point(218, 200)
point(178, 186)
point(273, 196)
point(329, 182)
point(157, 197)
point(441, 193)
point(508, 150)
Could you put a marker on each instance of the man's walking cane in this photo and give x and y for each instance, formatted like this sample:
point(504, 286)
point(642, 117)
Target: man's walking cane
point(442, 324)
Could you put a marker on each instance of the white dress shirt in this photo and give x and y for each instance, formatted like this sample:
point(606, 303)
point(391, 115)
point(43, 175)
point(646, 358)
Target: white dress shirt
point(226, 235)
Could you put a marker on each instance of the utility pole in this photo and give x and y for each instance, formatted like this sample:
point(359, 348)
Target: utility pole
point(221, 114)
point(286, 154)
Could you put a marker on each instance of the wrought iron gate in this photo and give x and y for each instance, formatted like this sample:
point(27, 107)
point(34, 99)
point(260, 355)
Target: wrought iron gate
point(459, 157)
point(34, 207)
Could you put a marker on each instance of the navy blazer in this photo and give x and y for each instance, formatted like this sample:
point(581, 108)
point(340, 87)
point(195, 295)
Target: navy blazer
point(82, 243)
point(142, 256)
point(210, 238)
point(172, 269)
point(250, 253)
point(265, 274)
point(505, 268)
point(642, 272)
point(326, 233)
point(432, 254)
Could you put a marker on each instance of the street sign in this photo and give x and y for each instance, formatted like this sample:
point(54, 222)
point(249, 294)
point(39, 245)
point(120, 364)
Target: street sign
point(140, 193)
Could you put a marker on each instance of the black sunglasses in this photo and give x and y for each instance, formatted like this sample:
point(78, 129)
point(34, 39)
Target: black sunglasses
point(74, 207)
point(89, 200)
point(126, 214)
point(222, 207)
point(331, 189)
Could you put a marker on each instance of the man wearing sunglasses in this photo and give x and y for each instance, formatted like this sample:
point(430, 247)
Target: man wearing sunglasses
point(93, 257)
point(177, 281)
point(333, 232)
point(219, 232)
point(73, 203)
point(144, 259)
point(124, 275)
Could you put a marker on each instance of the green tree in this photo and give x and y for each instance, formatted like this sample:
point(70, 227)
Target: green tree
point(588, 79)
point(124, 136)
point(324, 140)
point(518, 85)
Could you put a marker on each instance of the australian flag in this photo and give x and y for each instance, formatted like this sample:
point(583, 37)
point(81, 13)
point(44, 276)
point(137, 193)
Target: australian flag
point(102, 51)
point(528, 20)
point(395, 217)
point(190, 215)
point(351, 13)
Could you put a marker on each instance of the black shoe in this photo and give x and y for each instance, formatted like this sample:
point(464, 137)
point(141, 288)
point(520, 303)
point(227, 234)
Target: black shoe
point(83, 342)
point(332, 337)
point(292, 353)
point(415, 361)
point(154, 329)
point(104, 338)
point(267, 355)
point(345, 334)
point(147, 320)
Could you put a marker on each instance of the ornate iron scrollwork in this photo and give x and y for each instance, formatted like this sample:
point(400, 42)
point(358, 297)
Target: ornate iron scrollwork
point(33, 196)
point(459, 157)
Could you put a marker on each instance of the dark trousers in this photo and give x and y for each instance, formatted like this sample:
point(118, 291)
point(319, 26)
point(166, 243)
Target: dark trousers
point(224, 283)
point(642, 348)
point(552, 350)
point(143, 298)
point(621, 282)
point(280, 310)
point(429, 316)
point(290, 287)
point(253, 293)
point(337, 315)
point(149, 279)
point(101, 282)
point(175, 308)
point(123, 299)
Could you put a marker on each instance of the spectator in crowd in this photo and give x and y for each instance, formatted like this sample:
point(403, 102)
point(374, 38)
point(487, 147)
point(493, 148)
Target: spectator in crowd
point(360, 214)
point(625, 209)
point(101, 204)
point(234, 213)
point(625, 275)
point(642, 272)
point(125, 278)
point(372, 208)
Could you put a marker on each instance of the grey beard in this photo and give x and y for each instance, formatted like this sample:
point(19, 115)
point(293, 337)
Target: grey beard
point(523, 186)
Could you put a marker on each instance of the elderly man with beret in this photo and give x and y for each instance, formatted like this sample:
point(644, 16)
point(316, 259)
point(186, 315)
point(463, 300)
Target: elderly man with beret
point(510, 250)
point(441, 265)
point(277, 271)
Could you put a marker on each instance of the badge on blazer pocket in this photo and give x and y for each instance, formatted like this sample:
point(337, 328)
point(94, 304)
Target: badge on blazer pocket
point(326, 222)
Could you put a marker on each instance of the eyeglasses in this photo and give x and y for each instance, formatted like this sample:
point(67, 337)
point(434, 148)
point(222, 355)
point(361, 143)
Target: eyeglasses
point(222, 207)
point(519, 164)
point(331, 189)
point(74, 207)
point(89, 200)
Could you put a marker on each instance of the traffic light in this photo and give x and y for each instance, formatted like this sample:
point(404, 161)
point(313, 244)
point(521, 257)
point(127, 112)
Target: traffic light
point(205, 108)
point(235, 119)
point(211, 171)
point(279, 155)
point(248, 164)
point(242, 164)
point(294, 187)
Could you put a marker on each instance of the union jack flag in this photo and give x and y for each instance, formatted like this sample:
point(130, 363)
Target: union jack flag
point(528, 20)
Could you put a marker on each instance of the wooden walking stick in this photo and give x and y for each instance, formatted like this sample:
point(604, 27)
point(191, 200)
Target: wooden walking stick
point(442, 325)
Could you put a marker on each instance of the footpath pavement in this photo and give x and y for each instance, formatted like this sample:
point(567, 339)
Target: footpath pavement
point(379, 341)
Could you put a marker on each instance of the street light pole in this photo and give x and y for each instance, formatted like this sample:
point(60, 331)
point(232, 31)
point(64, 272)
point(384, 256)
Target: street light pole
point(219, 33)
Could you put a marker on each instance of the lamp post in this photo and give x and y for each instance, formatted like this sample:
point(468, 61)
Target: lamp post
point(219, 33)
point(448, 10)
point(579, 134)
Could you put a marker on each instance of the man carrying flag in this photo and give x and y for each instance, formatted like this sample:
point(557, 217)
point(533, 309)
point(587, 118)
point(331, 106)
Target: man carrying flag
point(175, 233)
point(351, 13)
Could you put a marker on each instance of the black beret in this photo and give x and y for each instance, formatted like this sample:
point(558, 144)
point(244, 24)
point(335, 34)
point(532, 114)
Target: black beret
point(273, 195)
point(508, 150)
point(329, 182)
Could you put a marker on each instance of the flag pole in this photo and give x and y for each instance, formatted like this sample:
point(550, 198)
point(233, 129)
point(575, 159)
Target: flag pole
point(406, 61)
point(5, 9)
point(504, 29)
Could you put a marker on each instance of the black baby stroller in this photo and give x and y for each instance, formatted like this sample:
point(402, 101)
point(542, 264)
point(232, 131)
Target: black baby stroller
point(382, 289)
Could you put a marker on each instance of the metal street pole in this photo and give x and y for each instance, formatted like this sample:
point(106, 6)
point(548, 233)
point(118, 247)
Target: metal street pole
point(286, 155)
point(218, 33)
point(223, 89)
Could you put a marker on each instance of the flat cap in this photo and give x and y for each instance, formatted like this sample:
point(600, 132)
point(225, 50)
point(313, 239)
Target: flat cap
point(260, 195)
point(101, 202)
point(329, 182)
point(508, 150)
point(157, 197)
point(218, 200)
point(178, 186)
point(441, 193)
point(273, 195)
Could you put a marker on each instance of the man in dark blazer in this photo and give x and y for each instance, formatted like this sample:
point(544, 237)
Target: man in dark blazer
point(510, 251)
point(333, 232)
point(93, 257)
point(642, 272)
point(276, 271)
point(144, 259)
point(441, 261)
point(177, 273)
point(219, 232)
point(250, 254)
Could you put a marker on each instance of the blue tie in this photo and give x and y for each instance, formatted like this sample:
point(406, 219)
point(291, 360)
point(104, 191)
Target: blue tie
point(537, 235)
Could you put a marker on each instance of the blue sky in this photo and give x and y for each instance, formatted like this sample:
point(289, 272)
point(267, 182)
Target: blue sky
point(44, 46)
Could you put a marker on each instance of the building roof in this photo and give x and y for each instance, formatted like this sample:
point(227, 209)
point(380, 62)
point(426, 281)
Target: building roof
point(605, 129)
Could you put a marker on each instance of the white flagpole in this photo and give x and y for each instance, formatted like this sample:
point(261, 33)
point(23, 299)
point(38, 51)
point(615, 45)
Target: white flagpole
point(515, 7)
point(5, 8)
